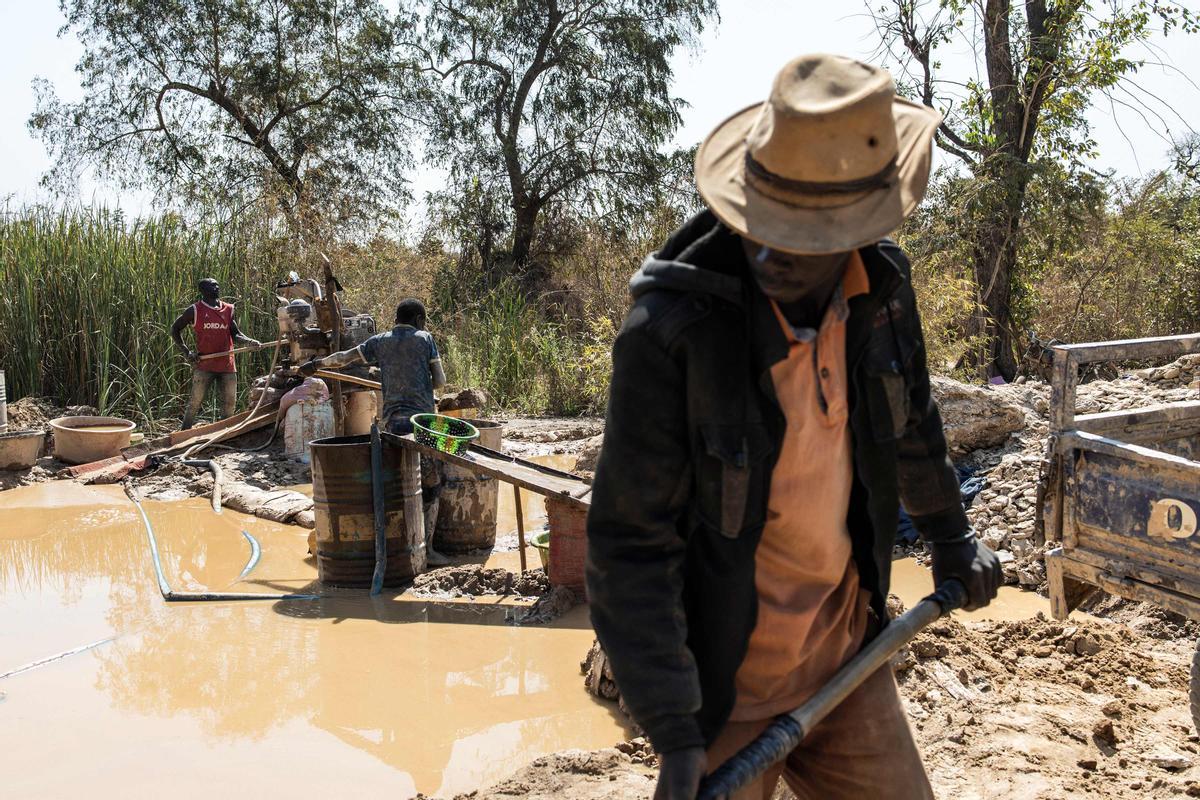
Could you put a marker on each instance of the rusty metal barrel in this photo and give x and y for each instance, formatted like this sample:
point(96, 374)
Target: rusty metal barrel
point(467, 511)
point(345, 516)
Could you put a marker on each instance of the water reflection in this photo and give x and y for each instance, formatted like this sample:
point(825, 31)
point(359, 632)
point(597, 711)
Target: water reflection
point(447, 696)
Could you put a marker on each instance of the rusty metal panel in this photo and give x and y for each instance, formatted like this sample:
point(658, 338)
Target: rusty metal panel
point(1128, 511)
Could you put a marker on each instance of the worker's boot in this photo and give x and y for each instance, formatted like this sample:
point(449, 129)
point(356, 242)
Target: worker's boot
point(432, 557)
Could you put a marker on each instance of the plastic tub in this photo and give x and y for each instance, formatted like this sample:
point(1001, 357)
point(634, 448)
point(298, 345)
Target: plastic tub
point(542, 542)
point(82, 440)
point(20, 449)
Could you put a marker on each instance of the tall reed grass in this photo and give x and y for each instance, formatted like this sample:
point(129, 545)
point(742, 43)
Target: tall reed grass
point(526, 363)
point(87, 300)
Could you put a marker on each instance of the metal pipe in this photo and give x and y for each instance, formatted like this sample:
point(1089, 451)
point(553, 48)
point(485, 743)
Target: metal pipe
point(218, 476)
point(786, 732)
point(377, 500)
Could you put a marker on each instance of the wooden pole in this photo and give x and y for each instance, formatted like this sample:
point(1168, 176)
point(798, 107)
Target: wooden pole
point(236, 350)
point(520, 524)
point(335, 308)
point(337, 376)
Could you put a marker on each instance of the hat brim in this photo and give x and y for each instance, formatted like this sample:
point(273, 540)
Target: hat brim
point(720, 177)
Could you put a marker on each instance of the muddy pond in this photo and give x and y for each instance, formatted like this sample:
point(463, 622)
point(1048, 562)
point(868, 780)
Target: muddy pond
point(107, 690)
point(117, 692)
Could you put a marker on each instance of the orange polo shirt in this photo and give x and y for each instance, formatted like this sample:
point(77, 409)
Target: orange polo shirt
point(811, 612)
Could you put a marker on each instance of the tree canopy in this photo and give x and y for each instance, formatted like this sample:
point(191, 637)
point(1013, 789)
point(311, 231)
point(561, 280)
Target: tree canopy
point(227, 102)
point(543, 102)
point(1043, 64)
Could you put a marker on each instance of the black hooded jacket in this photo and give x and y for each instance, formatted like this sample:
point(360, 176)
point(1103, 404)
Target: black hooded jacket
point(692, 436)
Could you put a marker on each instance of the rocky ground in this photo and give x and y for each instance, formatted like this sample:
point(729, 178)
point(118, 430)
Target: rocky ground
point(1089, 708)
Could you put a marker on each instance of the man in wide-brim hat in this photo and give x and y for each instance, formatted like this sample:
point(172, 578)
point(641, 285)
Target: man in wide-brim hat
point(770, 410)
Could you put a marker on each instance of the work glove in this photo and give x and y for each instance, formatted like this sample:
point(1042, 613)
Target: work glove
point(679, 774)
point(255, 343)
point(973, 563)
point(191, 355)
point(309, 368)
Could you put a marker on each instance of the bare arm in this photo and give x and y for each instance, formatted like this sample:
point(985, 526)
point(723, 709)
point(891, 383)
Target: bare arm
point(344, 358)
point(184, 320)
point(439, 375)
point(238, 336)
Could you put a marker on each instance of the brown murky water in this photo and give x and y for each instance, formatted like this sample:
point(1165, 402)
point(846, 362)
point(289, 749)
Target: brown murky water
point(100, 428)
point(337, 696)
point(911, 582)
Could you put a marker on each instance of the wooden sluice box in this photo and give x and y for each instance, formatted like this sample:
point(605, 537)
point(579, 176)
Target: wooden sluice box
point(1121, 492)
point(566, 502)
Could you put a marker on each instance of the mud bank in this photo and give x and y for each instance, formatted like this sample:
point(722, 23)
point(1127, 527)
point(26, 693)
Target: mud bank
point(1006, 703)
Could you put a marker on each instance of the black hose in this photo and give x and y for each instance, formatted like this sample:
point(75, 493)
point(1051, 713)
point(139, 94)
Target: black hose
point(218, 476)
point(171, 596)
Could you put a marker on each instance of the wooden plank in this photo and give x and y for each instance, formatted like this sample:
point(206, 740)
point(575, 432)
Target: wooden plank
point(1131, 588)
point(1130, 565)
point(179, 437)
point(259, 420)
point(1156, 347)
point(536, 478)
point(1162, 421)
point(1064, 380)
point(338, 376)
point(520, 524)
point(1145, 456)
point(1066, 592)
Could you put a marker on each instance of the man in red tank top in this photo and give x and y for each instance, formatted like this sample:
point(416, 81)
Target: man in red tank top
point(216, 331)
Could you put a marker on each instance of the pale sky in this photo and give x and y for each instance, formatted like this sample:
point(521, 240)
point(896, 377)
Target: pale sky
point(733, 68)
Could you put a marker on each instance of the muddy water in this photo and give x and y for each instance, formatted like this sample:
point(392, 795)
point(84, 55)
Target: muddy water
point(233, 699)
point(911, 582)
point(533, 506)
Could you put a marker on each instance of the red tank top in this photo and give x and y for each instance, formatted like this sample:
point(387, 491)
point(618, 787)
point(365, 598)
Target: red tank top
point(213, 335)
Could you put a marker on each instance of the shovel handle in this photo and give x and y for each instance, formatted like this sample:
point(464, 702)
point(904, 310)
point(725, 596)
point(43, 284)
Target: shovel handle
point(787, 731)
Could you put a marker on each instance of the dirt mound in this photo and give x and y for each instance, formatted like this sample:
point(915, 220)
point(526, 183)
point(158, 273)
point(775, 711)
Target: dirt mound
point(467, 398)
point(975, 417)
point(32, 413)
point(1046, 709)
point(1146, 619)
point(576, 774)
point(1184, 372)
point(472, 580)
point(1038, 708)
point(550, 606)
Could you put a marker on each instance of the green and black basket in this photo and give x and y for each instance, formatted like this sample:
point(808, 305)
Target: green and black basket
point(447, 434)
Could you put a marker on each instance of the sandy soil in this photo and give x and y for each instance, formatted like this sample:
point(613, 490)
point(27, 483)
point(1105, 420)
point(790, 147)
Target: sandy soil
point(1089, 708)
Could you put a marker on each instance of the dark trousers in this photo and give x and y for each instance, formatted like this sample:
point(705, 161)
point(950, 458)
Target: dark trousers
point(431, 468)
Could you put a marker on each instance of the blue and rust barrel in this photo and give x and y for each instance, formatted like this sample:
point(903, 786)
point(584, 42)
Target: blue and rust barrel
point(345, 513)
point(466, 518)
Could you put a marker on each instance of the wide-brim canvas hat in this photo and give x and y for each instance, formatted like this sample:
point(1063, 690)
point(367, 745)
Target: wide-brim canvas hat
point(832, 161)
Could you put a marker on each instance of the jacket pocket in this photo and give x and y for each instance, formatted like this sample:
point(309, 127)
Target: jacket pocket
point(888, 403)
point(730, 474)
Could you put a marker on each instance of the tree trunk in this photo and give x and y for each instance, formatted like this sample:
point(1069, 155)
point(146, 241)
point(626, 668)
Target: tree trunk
point(532, 276)
point(995, 255)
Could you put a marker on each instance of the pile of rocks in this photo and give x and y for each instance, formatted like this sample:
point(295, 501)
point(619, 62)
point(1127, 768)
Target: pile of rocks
point(1005, 512)
point(1184, 372)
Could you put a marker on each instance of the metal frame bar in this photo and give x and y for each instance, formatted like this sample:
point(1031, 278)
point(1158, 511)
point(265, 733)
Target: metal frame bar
point(1069, 357)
